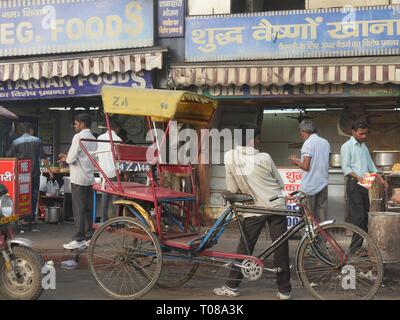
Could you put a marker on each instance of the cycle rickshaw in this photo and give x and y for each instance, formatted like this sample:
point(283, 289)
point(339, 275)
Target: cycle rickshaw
point(158, 240)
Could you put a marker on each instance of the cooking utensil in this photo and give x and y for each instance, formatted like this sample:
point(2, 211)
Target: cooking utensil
point(53, 214)
point(384, 229)
point(335, 160)
point(386, 158)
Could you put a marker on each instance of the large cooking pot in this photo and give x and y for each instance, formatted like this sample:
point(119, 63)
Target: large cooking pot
point(335, 160)
point(384, 229)
point(386, 158)
point(53, 214)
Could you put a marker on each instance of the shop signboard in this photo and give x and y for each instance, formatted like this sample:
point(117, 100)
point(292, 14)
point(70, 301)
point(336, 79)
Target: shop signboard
point(8, 176)
point(291, 179)
point(299, 91)
point(44, 27)
point(68, 87)
point(15, 175)
point(171, 18)
point(24, 198)
point(334, 32)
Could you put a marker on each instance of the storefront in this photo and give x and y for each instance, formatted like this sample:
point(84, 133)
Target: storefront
point(55, 57)
point(278, 68)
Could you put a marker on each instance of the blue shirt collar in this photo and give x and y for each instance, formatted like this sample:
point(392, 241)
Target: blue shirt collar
point(354, 141)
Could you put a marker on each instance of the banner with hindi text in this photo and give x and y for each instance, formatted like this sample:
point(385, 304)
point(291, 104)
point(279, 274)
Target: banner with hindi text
point(336, 32)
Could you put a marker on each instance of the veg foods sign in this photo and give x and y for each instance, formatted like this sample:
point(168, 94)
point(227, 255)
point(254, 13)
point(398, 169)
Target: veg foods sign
point(29, 27)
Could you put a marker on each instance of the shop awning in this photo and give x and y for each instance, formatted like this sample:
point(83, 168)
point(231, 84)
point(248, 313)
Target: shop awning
point(84, 64)
point(293, 72)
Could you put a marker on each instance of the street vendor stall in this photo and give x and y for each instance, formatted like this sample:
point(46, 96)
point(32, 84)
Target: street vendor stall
point(15, 175)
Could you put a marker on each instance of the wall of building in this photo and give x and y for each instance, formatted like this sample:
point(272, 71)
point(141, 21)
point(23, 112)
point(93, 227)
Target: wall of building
point(315, 4)
point(280, 137)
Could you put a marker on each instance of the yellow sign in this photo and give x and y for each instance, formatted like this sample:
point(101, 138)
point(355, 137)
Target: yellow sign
point(5, 220)
point(161, 105)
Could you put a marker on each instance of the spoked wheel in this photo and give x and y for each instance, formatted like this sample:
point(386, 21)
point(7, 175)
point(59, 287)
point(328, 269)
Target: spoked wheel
point(342, 263)
point(26, 281)
point(177, 270)
point(125, 258)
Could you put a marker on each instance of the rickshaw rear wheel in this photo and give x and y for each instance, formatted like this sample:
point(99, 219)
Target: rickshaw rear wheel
point(125, 258)
point(176, 270)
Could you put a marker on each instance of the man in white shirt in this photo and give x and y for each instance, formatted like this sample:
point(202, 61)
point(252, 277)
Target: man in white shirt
point(82, 178)
point(252, 172)
point(107, 164)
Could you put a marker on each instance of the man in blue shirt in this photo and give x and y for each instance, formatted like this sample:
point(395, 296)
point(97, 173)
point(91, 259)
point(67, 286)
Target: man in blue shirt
point(356, 162)
point(315, 162)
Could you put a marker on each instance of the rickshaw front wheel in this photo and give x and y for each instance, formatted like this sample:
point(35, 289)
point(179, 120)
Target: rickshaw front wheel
point(125, 258)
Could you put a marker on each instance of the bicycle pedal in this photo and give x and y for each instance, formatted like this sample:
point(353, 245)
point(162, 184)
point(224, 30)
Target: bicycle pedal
point(274, 270)
point(277, 270)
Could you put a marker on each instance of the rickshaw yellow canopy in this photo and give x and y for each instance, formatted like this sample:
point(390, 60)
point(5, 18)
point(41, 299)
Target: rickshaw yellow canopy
point(160, 105)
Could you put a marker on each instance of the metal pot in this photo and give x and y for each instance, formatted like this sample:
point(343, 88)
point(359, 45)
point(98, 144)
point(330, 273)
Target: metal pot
point(53, 214)
point(335, 160)
point(384, 229)
point(386, 158)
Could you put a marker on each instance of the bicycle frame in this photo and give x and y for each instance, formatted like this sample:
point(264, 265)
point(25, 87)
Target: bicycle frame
point(231, 214)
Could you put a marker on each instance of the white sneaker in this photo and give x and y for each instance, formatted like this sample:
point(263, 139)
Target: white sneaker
point(283, 296)
point(87, 243)
point(226, 291)
point(74, 245)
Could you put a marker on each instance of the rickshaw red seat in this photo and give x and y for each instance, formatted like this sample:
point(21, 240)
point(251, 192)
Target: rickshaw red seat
point(127, 152)
point(142, 192)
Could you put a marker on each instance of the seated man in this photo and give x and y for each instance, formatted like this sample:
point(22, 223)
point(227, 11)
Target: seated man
point(252, 172)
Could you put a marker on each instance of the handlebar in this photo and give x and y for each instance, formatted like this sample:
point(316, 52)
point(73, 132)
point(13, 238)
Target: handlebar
point(274, 198)
point(294, 193)
point(282, 196)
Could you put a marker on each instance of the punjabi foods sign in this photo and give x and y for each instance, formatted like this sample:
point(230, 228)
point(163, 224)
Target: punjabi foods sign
point(29, 27)
point(338, 32)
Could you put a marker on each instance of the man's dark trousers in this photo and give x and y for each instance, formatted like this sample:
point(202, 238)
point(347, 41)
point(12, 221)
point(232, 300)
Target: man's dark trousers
point(253, 227)
point(35, 195)
point(82, 198)
point(359, 207)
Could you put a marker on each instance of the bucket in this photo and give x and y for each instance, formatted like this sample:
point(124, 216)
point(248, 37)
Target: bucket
point(53, 214)
point(384, 229)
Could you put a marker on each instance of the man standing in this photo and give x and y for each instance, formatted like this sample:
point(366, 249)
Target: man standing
point(30, 147)
point(356, 162)
point(106, 163)
point(82, 178)
point(315, 162)
point(252, 172)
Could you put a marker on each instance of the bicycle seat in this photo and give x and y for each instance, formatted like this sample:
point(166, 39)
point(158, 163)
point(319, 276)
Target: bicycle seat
point(237, 197)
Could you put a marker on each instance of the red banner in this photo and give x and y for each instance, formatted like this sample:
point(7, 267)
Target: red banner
point(15, 175)
point(24, 187)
